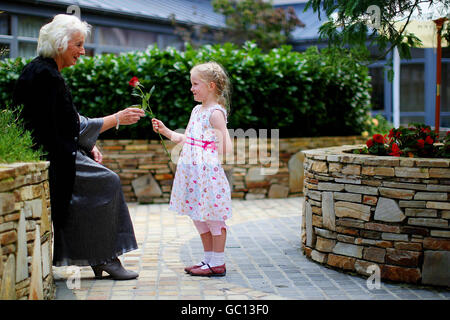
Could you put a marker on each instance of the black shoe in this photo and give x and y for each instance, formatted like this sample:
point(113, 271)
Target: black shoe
point(115, 270)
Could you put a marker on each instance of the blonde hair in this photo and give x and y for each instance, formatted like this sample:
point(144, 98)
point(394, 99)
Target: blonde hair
point(56, 34)
point(214, 72)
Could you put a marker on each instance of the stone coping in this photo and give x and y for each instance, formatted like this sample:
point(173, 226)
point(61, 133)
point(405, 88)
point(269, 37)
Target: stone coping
point(367, 211)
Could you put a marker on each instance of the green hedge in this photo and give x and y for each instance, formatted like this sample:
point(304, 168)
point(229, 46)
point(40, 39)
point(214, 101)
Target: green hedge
point(312, 93)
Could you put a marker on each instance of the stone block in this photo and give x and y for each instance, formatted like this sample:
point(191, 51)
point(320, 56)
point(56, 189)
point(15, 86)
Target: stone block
point(349, 197)
point(329, 186)
point(412, 204)
point(438, 205)
point(278, 191)
point(370, 200)
point(436, 244)
point(425, 213)
point(388, 210)
point(310, 236)
point(324, 244)
point(328, 213)
point(411, 246)
point(402, 185)
point(439, 173)
point(341, 262)
point(406, 172)
point(146, 188)
point(374, 254)
point(319, 166)
point(378, 171)
point(381, 227)
point(351, 169)
point(440, 233)
point(22, 253)
point(7, 203)
point(365, 267)
point(396, 193)
point(436, 268)
point(8, 283)
point(361, 189)
point(319, 256)
point(352, 210)
point(435, 196)
point(296, 171)
point(8, 237)
point(394, 236)
point(325, 233)
point(401, 274)
point(347, 249)
point(36, 286)
point(403, 257)
point(428, 222)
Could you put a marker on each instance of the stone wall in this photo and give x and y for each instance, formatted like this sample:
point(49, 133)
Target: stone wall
point(25, 232)
point(147, 175)
point(363, 210)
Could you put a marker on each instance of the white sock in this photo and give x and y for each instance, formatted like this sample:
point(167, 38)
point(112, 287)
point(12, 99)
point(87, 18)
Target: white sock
point(206, 258)
point(218, 259)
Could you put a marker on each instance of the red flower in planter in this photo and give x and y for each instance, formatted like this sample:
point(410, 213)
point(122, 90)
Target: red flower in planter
point(425, 130)
point(429, 140)
point(395, 150)
point(421, 143)
point(369, 143)
point(378, 138)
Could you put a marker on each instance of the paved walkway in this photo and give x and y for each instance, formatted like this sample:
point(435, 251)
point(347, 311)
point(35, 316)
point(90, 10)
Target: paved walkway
point(263, 257)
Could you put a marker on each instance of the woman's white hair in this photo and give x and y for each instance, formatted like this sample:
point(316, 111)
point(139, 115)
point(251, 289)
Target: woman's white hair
point(54, 36)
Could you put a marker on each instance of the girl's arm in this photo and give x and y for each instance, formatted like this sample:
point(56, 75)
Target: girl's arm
point(218, 122)
point(158, 126)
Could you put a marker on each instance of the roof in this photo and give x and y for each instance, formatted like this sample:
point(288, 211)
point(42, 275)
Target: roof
point(185, 11)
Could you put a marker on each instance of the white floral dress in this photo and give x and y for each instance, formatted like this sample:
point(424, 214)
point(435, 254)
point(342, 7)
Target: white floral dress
point(200, 188)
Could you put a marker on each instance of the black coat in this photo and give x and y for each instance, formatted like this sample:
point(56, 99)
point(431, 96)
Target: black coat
point(50, 115)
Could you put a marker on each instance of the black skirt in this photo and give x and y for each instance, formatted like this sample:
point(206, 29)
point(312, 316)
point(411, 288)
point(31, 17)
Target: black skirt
point(98, 227)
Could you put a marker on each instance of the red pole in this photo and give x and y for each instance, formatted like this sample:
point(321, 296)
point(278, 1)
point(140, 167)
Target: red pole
point(439, 24)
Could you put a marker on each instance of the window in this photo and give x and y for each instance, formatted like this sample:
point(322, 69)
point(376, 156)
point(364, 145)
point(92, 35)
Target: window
point(27, 50)
point(125, 38)
point(30, 26)
point(412, 92)
point(377, 99)
point(405, 120)
point(5, 24)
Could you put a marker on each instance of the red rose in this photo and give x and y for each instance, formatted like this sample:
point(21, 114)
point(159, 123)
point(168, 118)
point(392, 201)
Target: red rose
point(369, 143)
point(395, 150)
point(420, 143)
point(429, 140)
point(134, 82)
point(378, 138)
point(425, 130)
point(391, 133)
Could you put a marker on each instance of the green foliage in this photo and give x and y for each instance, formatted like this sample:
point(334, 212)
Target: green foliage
point(15, 142)
point(351, 26)
point(303, 94)
point(257, 20)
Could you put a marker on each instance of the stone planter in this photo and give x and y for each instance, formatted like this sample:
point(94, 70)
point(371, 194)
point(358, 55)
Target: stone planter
point(25, 232)
point(392, 212)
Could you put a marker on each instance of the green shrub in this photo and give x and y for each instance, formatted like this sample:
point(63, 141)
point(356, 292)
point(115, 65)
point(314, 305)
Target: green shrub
point(15, 142)
point(312, 93)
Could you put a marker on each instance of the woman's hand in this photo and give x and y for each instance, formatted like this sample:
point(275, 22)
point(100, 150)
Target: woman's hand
point(98, 157)
point(158, 126)
point(130, 115)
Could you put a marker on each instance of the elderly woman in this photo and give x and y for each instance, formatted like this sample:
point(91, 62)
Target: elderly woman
point(91, 222)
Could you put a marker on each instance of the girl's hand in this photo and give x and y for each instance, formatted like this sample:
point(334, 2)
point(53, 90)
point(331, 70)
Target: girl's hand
point(130, 115)
point(158, 126)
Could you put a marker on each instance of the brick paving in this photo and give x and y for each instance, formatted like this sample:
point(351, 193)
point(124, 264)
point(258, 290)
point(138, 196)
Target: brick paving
point(263, 257)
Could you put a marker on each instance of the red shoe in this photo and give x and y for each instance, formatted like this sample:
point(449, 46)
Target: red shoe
point(189, 269)
point(218, 271)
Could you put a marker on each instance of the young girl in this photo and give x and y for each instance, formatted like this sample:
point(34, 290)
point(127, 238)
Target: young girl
point(200, 188)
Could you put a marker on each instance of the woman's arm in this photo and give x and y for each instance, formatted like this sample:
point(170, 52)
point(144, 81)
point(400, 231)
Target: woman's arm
point(124, 117)
point(218, 122)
